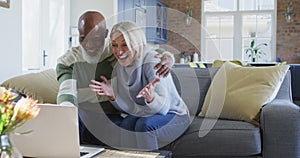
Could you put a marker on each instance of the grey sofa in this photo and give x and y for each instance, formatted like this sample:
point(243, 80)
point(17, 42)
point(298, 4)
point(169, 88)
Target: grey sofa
point(295, 73)
point(278, 135)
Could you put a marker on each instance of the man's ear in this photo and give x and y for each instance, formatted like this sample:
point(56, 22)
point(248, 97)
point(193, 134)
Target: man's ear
point(106, 33)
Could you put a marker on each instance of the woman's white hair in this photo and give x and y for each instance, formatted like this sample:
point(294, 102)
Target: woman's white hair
point(134, 36)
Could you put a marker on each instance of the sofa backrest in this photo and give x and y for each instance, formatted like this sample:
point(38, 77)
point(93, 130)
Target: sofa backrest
point(285, 91)
point(193, 83)
point(295, 76)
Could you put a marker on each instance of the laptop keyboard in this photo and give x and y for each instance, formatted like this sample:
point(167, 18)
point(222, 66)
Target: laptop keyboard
point(83, 153)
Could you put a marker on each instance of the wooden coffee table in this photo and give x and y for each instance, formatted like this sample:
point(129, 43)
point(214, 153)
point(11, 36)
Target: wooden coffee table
point(114, 153)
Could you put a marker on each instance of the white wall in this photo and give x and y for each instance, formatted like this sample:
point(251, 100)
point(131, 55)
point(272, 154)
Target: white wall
point(11, 40)
point(11, 30)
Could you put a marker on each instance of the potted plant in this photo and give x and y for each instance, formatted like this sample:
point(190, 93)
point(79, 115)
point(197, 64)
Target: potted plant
point(254, 51)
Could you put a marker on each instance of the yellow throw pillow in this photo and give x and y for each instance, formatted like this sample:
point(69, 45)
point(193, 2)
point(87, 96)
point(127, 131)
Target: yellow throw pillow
point(239, 93)
point(219, 63)
point(41, 86)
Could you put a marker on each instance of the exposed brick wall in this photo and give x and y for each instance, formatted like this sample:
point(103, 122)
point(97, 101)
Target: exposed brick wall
point(182, 37)
point(288, 35)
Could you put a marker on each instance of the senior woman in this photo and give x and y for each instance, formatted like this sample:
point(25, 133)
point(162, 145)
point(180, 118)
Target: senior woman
point(155, 113)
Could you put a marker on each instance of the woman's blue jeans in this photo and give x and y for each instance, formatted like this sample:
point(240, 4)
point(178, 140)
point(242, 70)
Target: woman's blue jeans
point(152, 132)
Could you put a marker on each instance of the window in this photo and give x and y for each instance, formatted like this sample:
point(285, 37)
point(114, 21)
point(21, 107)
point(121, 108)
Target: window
point(228, 26)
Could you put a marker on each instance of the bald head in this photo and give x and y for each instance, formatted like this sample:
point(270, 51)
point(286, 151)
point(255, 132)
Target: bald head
point(91, 19)
point(92, 32)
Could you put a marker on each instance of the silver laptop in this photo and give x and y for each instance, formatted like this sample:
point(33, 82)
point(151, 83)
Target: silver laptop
point(54, 134)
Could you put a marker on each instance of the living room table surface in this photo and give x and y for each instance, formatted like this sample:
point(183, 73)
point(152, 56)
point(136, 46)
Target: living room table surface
point(115, 153)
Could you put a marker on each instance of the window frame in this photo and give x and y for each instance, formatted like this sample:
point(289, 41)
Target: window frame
point(237, 33)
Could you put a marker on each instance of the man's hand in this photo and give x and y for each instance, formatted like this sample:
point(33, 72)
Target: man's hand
point(102, 88)
point(165, 65)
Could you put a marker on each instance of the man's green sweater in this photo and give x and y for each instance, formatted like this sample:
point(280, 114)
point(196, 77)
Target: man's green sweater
point(74, 75)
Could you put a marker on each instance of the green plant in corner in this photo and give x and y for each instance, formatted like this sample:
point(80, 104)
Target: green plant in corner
point(254, 51)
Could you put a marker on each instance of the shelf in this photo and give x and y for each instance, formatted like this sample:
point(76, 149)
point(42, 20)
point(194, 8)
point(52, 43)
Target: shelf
point(150, 13)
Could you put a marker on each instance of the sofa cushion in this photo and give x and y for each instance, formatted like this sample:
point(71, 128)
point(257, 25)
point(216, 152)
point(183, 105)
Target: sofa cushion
point(219, 63)
point(192, 85)
point(227, 138)
point(239, 92)
point(41, 86)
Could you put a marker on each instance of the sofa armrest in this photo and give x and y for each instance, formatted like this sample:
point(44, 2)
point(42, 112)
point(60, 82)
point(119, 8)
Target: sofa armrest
point(280, 125)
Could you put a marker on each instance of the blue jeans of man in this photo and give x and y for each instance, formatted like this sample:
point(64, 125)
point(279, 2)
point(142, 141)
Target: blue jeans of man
point(94, 124)
point(87, 138)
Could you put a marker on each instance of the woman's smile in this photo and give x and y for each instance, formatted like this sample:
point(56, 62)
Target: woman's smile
point(121, 50)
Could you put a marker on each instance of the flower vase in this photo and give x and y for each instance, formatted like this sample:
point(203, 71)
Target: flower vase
point(254, 58)
point(7, 150)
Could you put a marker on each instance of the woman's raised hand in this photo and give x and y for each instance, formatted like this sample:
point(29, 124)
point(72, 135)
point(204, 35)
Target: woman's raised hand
point(148, 91)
